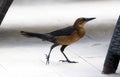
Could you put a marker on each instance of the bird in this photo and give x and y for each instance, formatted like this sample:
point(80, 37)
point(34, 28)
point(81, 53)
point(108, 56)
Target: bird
point(64, 37)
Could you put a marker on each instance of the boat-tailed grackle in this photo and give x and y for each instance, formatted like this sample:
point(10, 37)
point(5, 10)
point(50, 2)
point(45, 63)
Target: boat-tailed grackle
point(64, 37)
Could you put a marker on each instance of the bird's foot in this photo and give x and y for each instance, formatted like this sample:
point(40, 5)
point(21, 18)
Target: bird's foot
point(47, 57)
point(68, 61)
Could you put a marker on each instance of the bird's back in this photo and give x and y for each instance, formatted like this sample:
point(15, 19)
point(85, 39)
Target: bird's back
point(63, 32)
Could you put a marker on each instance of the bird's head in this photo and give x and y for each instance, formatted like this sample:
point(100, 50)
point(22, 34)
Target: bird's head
point(81, 21)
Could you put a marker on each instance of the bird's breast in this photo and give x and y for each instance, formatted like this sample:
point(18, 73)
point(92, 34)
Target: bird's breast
point(67, 40)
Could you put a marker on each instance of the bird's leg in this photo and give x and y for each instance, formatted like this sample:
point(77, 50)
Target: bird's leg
point(67, 60)
point(48, 56)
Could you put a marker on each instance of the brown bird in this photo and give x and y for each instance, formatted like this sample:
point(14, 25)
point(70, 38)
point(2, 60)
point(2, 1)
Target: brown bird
point(64, 37)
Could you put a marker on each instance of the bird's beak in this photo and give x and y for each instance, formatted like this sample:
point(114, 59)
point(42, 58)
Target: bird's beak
point(89, 19)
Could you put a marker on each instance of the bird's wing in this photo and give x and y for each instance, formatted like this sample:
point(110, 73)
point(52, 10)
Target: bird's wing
point(62, 32)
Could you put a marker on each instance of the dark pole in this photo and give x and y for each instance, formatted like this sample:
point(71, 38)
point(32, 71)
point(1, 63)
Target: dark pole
point(113, 55)
point(4, 6)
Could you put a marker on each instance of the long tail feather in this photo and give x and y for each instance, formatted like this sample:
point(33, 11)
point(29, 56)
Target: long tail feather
point(38, 35)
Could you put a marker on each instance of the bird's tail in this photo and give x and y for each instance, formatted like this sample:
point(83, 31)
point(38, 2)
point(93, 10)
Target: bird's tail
point(46, 37)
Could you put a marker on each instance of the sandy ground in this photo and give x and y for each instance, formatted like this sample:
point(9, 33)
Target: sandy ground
point(25, 57)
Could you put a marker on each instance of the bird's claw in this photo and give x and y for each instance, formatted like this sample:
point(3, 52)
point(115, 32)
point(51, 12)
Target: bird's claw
point(68, 61)
point(47, 57)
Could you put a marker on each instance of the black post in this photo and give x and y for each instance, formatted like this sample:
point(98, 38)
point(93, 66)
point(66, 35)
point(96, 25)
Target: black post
point(113, 55)
point(4, 6)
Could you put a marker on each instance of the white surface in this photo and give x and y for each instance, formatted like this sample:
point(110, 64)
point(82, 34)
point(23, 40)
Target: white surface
point(25, 57)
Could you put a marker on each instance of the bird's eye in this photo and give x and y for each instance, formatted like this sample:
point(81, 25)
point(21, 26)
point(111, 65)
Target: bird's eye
point(83, 19)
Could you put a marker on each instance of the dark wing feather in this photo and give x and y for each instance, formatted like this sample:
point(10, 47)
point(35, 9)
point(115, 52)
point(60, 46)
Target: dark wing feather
point(62, 32)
